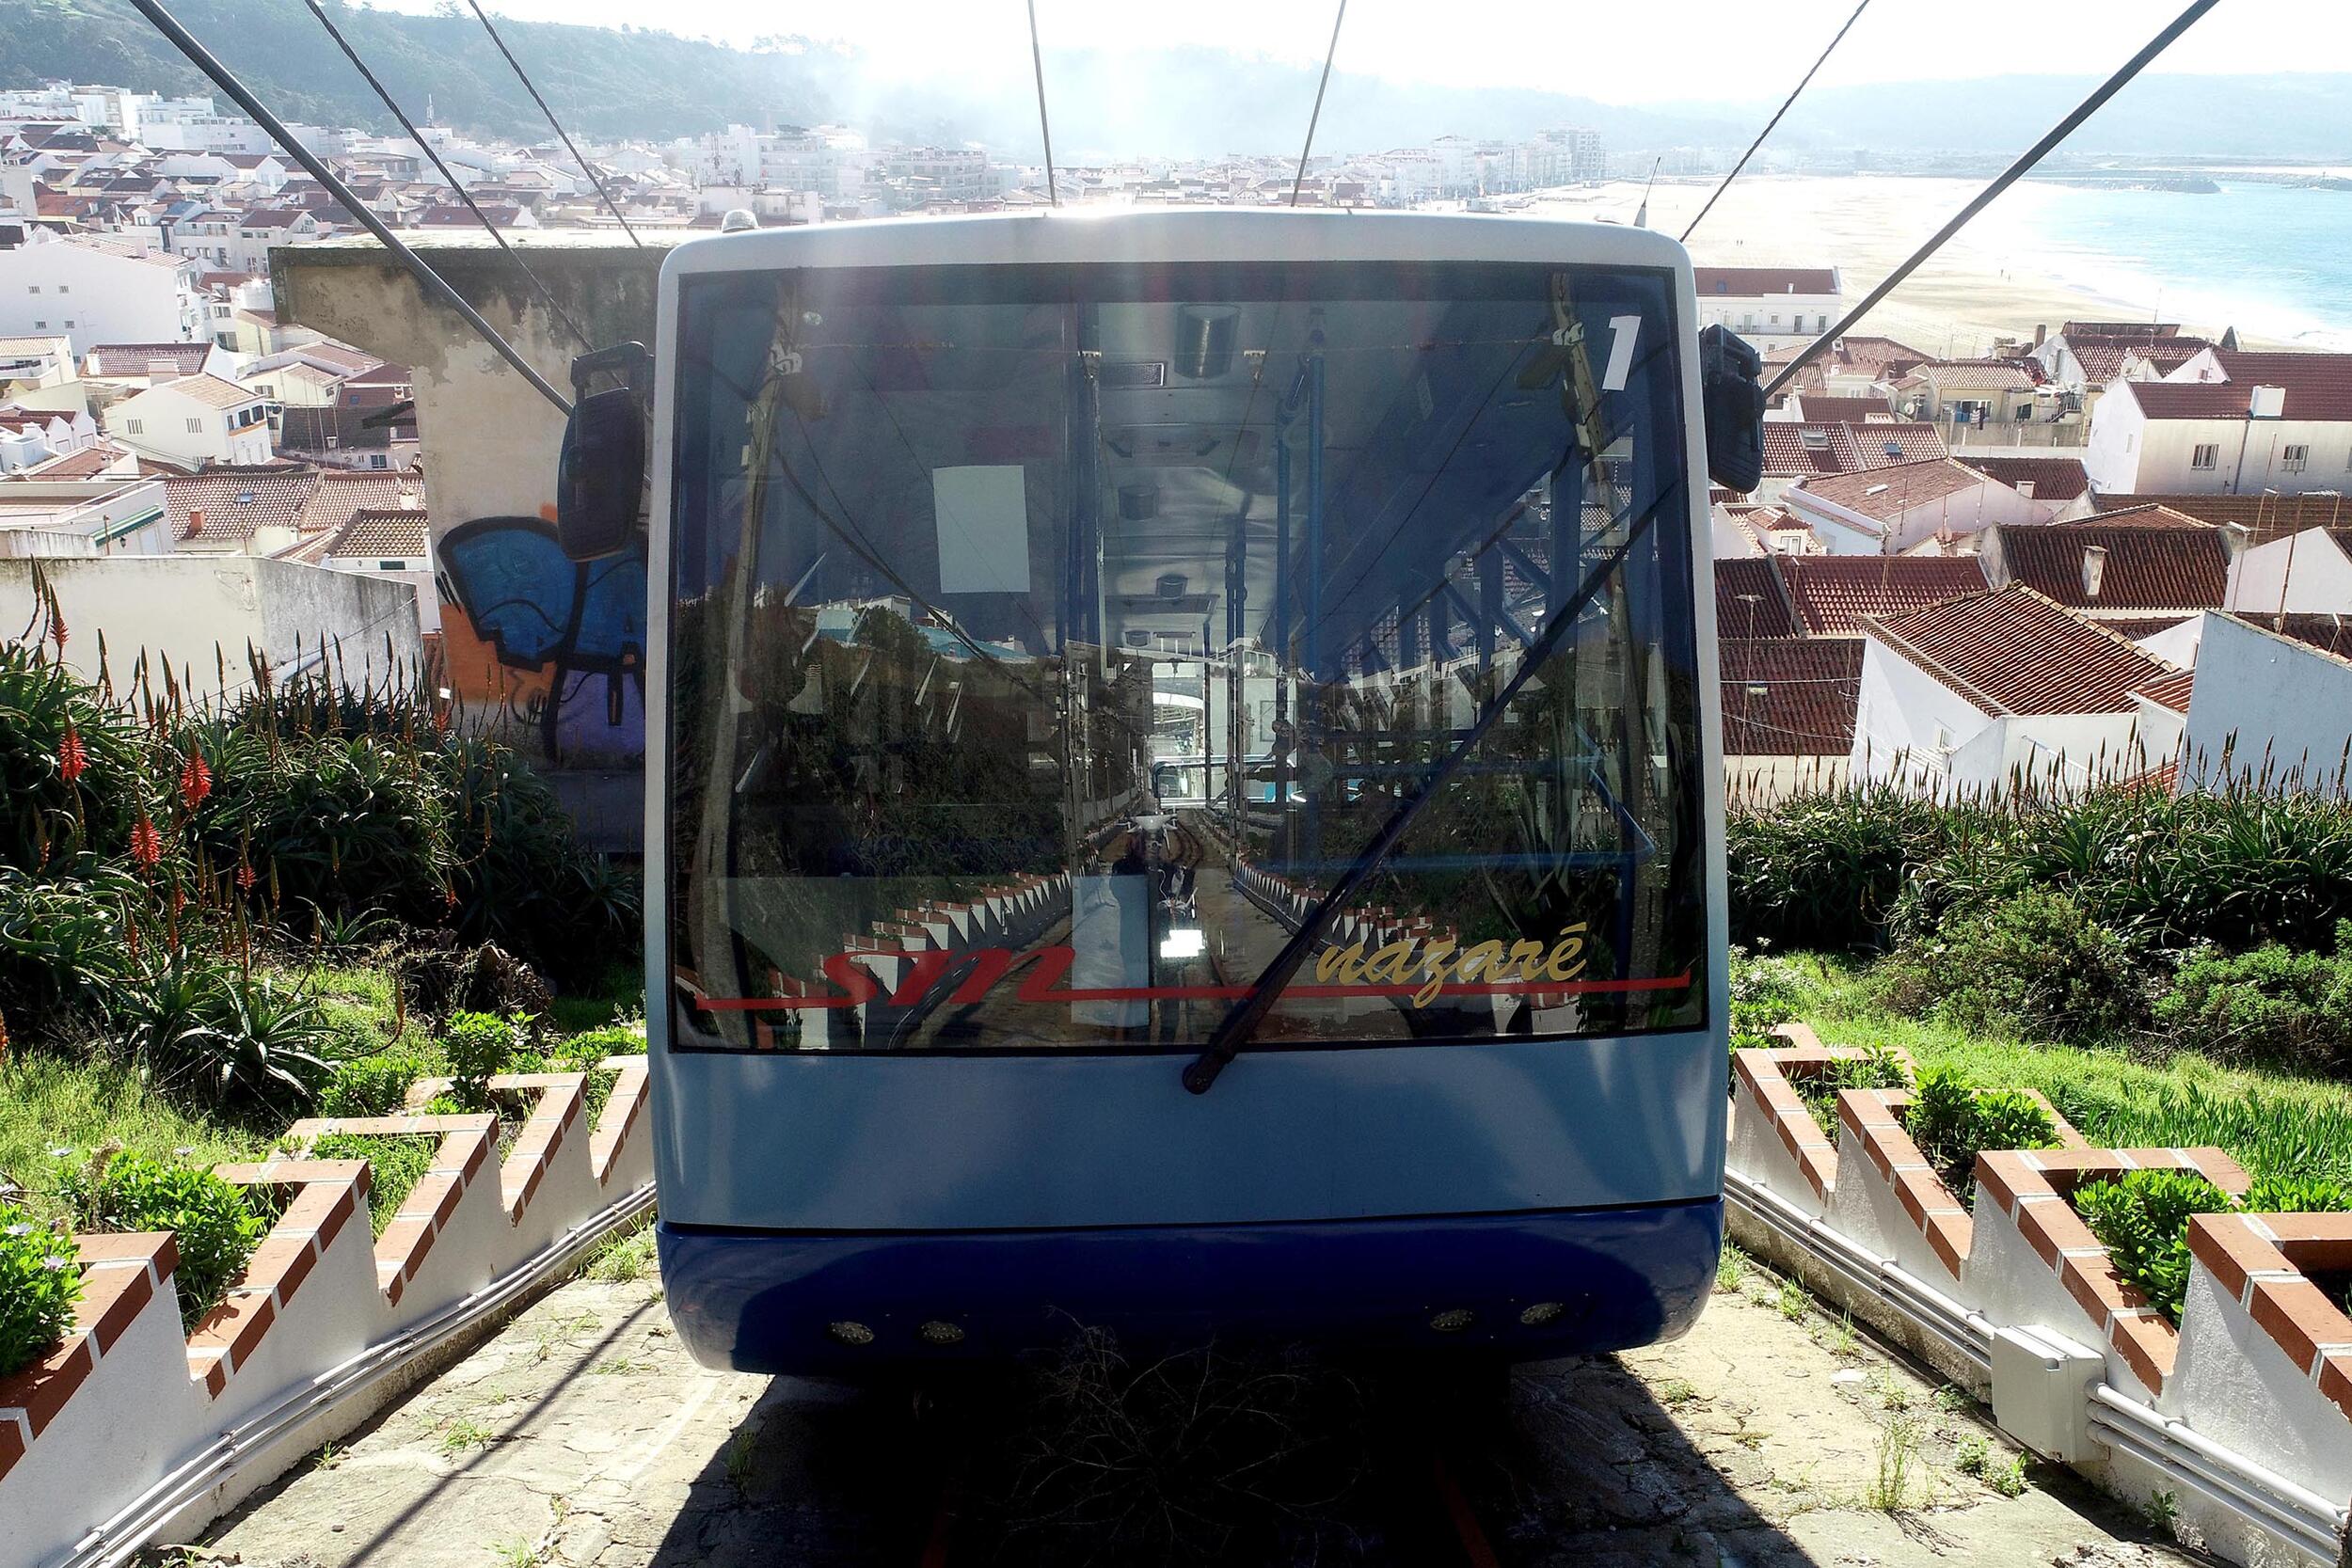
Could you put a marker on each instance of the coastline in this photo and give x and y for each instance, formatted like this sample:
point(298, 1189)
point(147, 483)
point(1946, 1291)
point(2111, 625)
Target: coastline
point(1997, 278)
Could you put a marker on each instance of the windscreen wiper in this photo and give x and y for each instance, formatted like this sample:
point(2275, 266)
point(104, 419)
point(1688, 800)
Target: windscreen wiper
point(1241, 1021)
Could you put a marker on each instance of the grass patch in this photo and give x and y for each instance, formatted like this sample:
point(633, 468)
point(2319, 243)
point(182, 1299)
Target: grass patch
point(2272, 1123)
point(624, 1259)
point(47, 1102)
point(395, 1166)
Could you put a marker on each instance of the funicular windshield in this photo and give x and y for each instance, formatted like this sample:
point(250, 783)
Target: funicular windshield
point(1046, 641)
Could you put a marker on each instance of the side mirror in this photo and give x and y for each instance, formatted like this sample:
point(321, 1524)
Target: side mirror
point(1733, 402)
point(600, 478)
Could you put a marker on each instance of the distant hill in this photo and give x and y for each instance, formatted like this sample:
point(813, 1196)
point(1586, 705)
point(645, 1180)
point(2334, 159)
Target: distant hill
point(1181, 100)
point(603, 81)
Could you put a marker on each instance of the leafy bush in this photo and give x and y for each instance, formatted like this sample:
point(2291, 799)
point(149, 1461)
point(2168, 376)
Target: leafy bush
point(1876, 1068)
point(395, 1166)
point(213, 1220)
point(74, 768)
point(39, 1282)
point(372, 1085)
point(63, 937)
point(1763, 996)
point(2143, 1218)
point(2033, 962)
point(1953, 1122)
point(478, 1046)
point(1824, 869)
point(2272, 1004)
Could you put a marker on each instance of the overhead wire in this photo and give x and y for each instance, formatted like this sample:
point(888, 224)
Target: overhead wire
point(433, 285)
point(1771, 122)
point(2007, 177)
point(1044, 125)
point(1329, 55)
point(351, 53)
point(524, 77)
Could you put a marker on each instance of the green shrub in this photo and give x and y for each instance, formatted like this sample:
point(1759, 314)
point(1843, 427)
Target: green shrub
point(63, 937)
point(1763, 996)
point(395, 1164)
point(213, 1220)
point(372, 1085)
point(478, 1046)
point(2033, 962)
point(2142, 1217)
point(1823, 869)
point(1876, 1068)
point(46, 815)
point(39, 1282)
point(1953, 1122)
point(2272, 1004)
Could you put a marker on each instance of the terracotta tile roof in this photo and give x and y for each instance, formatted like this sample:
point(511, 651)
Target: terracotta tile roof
point(2145, 569)
point(341, 494)
point(2054, 478)
point(1831, 595)
point(2172, 692)
point(2330, 634)
point(1877, 358)
point(2317, 386)
point(1885, 493)
point(2016, 651)
point(2265, 517)
point(2137, 628)
point(1769, 617)
point(212, 391)
point(1793, 446)
point(270, 217)
point(2148, 514)
point(1822, 408)
point(236, 501)
point(139, 358)
point(381, 534)
point(1765, 280)
point(1790, 696)
point(1976, 375)
point(87, 464)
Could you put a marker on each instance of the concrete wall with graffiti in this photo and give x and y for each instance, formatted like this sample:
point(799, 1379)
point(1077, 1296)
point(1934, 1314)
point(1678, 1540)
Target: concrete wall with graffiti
point(550, 653)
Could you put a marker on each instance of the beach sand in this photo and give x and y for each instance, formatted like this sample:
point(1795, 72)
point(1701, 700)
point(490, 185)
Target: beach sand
point(1983, 284)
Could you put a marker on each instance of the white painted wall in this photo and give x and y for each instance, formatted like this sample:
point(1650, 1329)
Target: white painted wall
point(2262, 696)
point(1907, 722)
point(181, 607)
point(2305, 573)
point(2129, 451)
point(108, 299)
point(1913, 730)
point(2112, 454)
point(178, 428)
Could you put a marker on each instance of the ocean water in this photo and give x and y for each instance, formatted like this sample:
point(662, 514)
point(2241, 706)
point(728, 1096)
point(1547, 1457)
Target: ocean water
point(2273, 261)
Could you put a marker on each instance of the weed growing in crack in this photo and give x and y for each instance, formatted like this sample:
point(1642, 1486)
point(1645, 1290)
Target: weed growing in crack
point(463, 1435)
point(2010, 1480)
point(1731, 1269)
point(1792, 1301)
point(2163, 1513)
point(1975, 1456)
point(1676, 1392)
point(1899, 1457)
point(741, 1447)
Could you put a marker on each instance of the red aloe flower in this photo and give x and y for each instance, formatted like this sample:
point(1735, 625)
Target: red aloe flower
point(245, 877)
point(147, 844)
point(196, 781)
point(72, 756)
point(56, 628)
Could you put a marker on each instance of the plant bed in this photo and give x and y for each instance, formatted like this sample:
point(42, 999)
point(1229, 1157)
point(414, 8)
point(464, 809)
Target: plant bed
point(2034, 1192)
point(1773, 1123)
point(462, 1149)
point(1879, 1123)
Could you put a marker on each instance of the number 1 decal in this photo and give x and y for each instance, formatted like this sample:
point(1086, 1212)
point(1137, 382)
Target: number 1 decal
point(1623, 331)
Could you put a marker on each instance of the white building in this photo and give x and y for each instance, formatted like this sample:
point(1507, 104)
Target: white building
point(82, 517)
point(2305, 573)
point(39, 371)
point(192, 421)
point(1772, 307)
point(1903, 507)
point(96, 291)
point(2267, 710)
point(31, 436)
point(1998, 692)
point(2227, 422)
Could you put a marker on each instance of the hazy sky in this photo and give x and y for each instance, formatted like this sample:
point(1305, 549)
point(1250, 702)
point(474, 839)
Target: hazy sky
point(1659, 50)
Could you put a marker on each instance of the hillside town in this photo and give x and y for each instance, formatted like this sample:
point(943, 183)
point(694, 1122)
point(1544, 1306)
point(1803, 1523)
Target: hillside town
point(1956, 573)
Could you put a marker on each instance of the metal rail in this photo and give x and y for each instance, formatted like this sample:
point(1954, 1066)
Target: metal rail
point(2260, 1496)
point(119, 1539)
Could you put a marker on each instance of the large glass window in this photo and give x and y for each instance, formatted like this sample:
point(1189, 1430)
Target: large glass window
point(1048, 643)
